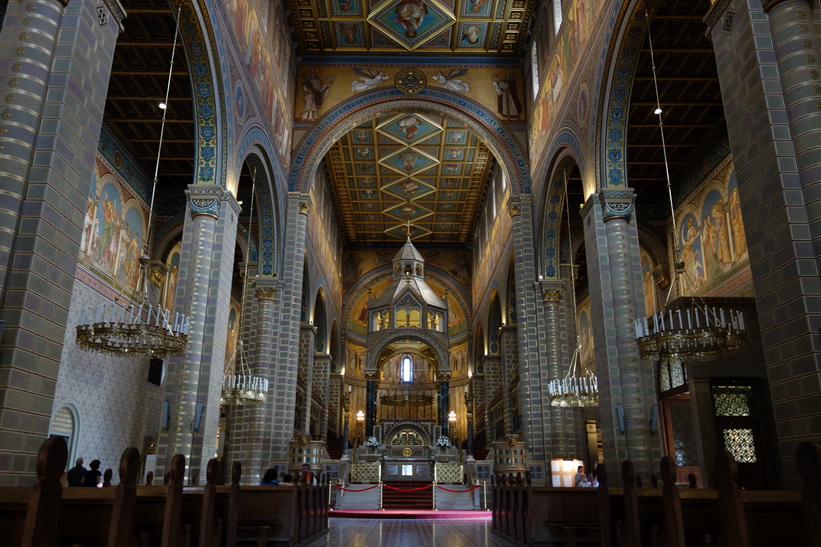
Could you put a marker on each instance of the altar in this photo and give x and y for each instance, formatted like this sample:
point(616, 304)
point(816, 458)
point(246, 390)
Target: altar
point(407, 451)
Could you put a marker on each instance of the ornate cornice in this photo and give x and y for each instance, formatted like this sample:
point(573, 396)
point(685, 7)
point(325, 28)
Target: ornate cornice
point(718, 12)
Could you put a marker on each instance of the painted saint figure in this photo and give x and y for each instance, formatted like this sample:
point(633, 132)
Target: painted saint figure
point(451, 80)
point(508, 101)
point(368, 79)
point(315, 91)
point(411, 15)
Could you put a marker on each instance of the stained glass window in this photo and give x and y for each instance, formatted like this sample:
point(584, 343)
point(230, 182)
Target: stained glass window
point(732, 400)
point(407, 369)
point(557, 16)
point(741, 444)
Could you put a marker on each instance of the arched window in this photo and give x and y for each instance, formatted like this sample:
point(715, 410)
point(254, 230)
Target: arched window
point(407, 369)
point(557, 16)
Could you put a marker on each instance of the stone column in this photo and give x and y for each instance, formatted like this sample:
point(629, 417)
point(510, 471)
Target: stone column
point(194, 381)
point(509, 350)
point(768, 67)
point(321, 381)
point(54, 88)
point(626, 383)
point(444, 405)
point(534, 403)
point(555, 338)
point(307, 336)
point(370, 403)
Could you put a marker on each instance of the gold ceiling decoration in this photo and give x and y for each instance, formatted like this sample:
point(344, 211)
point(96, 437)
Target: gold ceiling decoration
point(422, 26)
point(409, 167)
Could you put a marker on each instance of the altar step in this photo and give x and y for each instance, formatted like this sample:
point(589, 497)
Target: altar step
point(408, 496)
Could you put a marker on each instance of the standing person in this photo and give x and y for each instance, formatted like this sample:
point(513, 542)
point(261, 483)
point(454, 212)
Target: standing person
point(93, 476)
point(308, 474)
point(74, 477)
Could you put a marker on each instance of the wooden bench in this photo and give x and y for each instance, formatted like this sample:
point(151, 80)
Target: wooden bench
point(170, 515)
point(632, 516)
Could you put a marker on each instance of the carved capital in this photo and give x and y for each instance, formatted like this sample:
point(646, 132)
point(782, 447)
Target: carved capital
point(371, 375)
point(304, 207)
point(158, 273)
point(267, 288)
point(617, 204)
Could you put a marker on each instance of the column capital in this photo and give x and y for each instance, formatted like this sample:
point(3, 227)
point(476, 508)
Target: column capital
point(719, 14)
point(551, 291)
point(267, 288)
point(371, 375)
point(114, 7)
point(516, 203)
point(617, 204)
point(206, 200)
point(303, 202)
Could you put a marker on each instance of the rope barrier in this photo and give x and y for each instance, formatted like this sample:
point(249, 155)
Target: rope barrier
point(406, 489)
point(349, 490)
point(458, 491)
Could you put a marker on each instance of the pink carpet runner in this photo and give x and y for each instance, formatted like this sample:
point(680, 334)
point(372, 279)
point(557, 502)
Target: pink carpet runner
point(408, 514)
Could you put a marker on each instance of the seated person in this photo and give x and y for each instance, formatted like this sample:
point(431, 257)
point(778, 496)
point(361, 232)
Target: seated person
point(270, 477)
point(286, 480)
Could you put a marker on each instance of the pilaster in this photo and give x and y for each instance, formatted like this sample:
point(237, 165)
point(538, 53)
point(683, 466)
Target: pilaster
point(626, 383)
point(194, 381)
point(54, 87)
point(768, 67)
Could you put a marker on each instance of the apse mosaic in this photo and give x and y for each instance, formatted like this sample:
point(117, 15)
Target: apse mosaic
point(469, 26)
point(409, 167)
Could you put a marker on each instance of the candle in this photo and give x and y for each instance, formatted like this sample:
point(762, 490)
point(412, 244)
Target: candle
point(689, 323)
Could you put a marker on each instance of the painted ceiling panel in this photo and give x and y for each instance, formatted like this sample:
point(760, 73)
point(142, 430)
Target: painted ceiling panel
point(409, 167)
point(464, 26)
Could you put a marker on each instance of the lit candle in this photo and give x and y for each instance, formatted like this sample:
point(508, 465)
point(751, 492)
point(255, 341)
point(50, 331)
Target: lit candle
point(689, 323)
point(723, 322)
point(741, 320)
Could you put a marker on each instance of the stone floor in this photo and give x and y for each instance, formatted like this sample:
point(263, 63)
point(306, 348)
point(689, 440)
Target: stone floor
point(409, 533)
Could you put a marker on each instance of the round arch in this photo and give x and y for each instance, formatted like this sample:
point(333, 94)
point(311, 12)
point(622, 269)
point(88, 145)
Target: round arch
point(553, 210)
point(620, 66)
point(253, 151)
point(420, 335)
point(366, 106)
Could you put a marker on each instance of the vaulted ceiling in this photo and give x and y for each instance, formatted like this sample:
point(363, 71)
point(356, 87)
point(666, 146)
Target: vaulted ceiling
point(429, 26)
point(409, 167)
point(443, 186)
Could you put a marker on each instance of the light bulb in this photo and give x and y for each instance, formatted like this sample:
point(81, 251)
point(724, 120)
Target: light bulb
point(657, 111)
point(162, 106)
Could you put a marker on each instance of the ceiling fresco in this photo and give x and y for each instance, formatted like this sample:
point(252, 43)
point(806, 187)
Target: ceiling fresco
point(409, 168)
point(430, 26)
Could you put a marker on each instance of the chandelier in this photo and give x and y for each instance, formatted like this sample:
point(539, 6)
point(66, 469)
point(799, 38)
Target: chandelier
point(139, 327)
point(580, 387)
point(686, 329)
point(240, 387)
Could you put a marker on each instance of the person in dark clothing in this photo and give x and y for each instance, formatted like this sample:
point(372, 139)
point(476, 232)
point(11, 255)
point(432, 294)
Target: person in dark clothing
point(75, 475)
point(93, 476)
point(270, 477)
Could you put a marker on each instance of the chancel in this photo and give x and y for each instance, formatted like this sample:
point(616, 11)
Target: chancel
point(444, 252)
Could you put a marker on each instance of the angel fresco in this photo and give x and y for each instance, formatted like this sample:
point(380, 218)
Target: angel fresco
point(368, 79)
point(450, 80)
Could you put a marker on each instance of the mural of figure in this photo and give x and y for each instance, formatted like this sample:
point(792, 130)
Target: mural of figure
point(649, 286)
point(476, 6)
point(411, 15)
point(315, 92)
point(368, 79)
point(231, 343)
point(508, 102)
point(409, 187)
point(89, 223)
point(722, 233)
point(348, 31)
point(171, 286)
point(408, 125)
point(471, 34)
point(451, 80)
point(736, 221)
point(409, 159)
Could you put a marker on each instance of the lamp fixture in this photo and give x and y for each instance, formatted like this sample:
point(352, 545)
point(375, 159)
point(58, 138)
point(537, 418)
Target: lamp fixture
point(579, 387)
point(686, 329)
point(241, 387)
point(140, 327)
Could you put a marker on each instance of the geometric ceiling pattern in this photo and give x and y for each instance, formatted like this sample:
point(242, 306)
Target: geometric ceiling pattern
point(427, 26)
point(409, 168)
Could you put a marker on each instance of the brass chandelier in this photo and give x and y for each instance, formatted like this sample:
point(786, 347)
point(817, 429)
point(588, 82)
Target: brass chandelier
point(686, 329)
point(579, 387)
point(240, 387)
point(138, 327)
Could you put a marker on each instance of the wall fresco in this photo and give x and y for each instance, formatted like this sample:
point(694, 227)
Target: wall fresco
point(711, 234)
point(113, 229)
point(556, 70)
point(265, 49)
point(320, 87)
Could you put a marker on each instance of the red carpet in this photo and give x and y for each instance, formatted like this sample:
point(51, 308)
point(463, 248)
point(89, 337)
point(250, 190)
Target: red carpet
point(408, 514)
